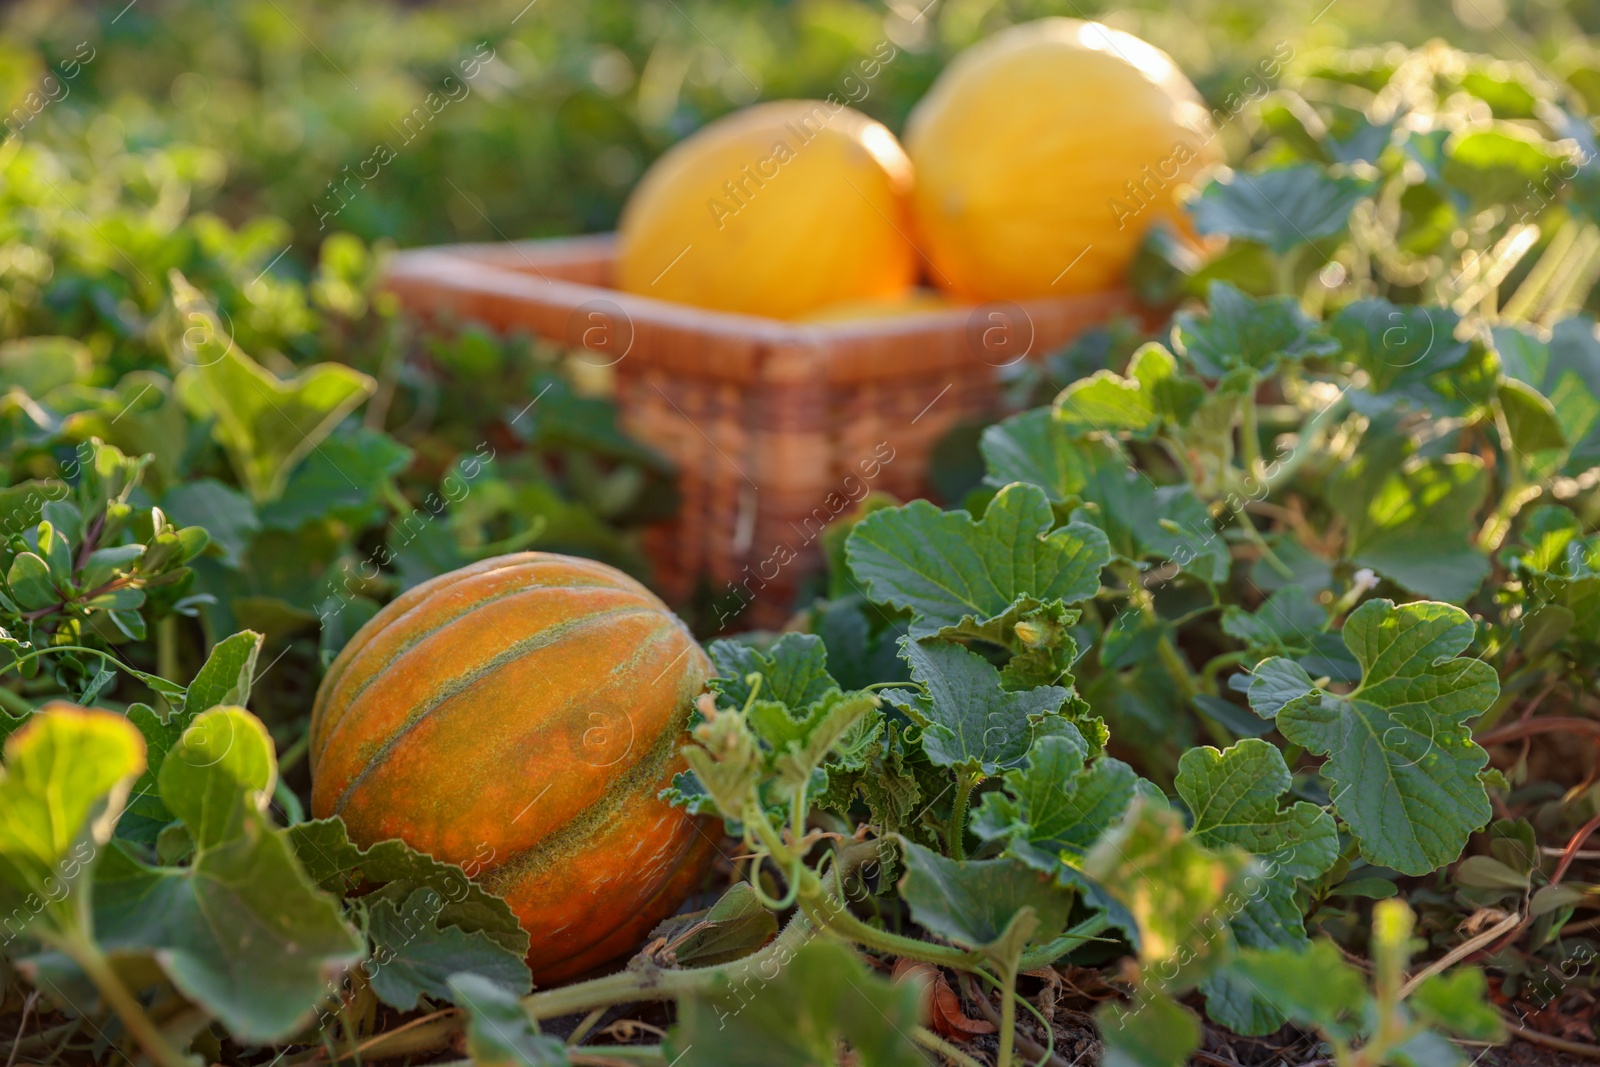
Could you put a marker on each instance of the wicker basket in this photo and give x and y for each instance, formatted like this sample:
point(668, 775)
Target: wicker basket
point(775, 428)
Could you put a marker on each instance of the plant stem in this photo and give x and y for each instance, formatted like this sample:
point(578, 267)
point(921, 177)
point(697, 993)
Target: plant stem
point(15, 703)
point(836, 919)
point(36, 653)
point(956, 833)
point(1250, 437)
point(607, 1054)
point(87, 955)
point(581, 1031)
point(167, 649)
point(654, 983)
point(1008, 1017)
point(1249, 527)
point(1208, 673)
point(1283, 271)
point(632, 986)
point(1047, 953)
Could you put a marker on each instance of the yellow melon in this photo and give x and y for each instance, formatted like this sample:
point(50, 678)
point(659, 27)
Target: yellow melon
point(1045, 152)
point(776, 210)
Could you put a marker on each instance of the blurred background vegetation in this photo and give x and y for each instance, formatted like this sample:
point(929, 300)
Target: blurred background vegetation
point(251, 108)
point(269, 150)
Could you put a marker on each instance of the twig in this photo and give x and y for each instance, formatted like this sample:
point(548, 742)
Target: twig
point(16, 1043)
point(1460, 952)
point(1041, 1056)
point(426, 1034)
point(1548, 725)
point(932, 1041)
point(1576, 1048)
point(1570, 853)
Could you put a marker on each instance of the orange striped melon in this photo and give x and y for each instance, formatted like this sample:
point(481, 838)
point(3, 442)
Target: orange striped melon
point(519, 717)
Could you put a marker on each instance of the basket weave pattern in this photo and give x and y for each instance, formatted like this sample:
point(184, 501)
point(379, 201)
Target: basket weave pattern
point(776, 428)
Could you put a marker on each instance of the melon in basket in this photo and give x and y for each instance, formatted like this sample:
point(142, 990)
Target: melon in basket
point(776, 210)
point(1044, 153)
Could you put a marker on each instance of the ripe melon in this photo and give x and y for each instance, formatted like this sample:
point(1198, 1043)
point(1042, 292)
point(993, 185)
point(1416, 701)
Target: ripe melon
point(776, 210)
point(519, 717)
point(1045, 152)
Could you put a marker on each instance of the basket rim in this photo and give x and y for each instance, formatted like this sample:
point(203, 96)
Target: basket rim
point(484, 266)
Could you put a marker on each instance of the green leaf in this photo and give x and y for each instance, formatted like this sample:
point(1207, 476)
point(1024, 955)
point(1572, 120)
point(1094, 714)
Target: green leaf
point(1402, 760)
point(414, 956)
point(974, 903)
point(147, 815)
point(1286, 622)
point(969, 722)
point(1234, 796)
point(794, 671)
point(343, 477)
point(337, 866)
point(1561, 569)
point(1153, 392)
point(225, 513)
point(38, 365)
point(1314, 986)
point(1156, 1032)
point(1280, 208)
point(220, 775)
point(1276, 682)
point(1415, 524)
point(262, 969)
point(1398, 344)
point(1172, 885)
point(797, 1016)
point(1056, 805)
point(951, 571)
point(885, 781)
point(1143, 520)
point(1034, 447)
point(839, 721)
point(1498, 164)
point(1254, 333)
point(499, 1032)
point(266, 425)
point(1532, 420)
point(1566, 370)
point(1458, 1002)
point(30, 583)
point(226, 675)
point(67, 773)
point(735, 926)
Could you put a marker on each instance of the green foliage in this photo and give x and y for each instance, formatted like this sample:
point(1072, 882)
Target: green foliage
point(962, 577)
point(1187, 683)
point(981, 904)
point(1318, 988)
point(1402, 761)
point(499, 1032)
point(820, 996)
point(66, 776)
point(262, 971)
